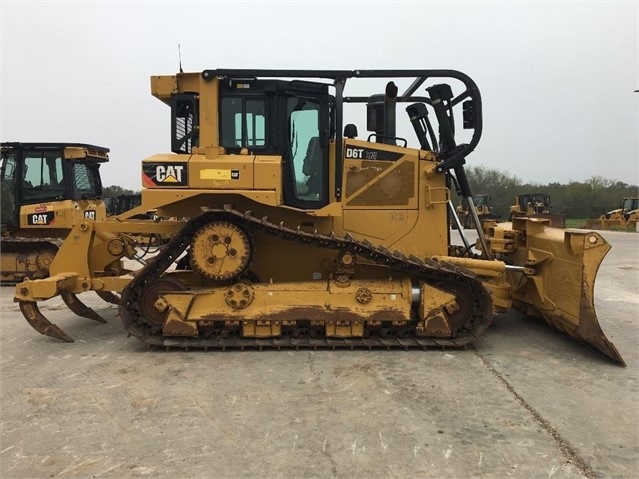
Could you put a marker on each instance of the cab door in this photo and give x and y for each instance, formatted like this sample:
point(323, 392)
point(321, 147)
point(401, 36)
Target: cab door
point(303, 144)
point(8, 173)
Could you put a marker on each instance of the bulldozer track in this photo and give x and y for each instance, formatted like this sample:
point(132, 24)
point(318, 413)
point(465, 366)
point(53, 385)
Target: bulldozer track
point(9, 243)
point(425, 270)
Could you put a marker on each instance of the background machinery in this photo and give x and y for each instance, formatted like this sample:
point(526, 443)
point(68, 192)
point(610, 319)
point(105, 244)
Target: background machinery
point(121, 206)
point(46, 188)
point(623, 218)
point(298, 233)
point(483, 208)
point(536, 205)
point(117, 205)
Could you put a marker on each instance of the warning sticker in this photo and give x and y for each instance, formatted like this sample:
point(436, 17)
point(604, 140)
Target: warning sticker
point(218, 174)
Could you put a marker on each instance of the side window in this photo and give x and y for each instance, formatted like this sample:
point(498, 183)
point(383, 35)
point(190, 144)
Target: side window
point(305, 149)
point(8, 168)
point(7, 193)
point(243, 122)
point(184, 122)
point(86, 180)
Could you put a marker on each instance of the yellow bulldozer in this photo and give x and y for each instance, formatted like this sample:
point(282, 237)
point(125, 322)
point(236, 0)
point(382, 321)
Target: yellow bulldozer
point(483, 208)
point(46, 189)
point(298, 233)
point(536, 205)
point(623, 218)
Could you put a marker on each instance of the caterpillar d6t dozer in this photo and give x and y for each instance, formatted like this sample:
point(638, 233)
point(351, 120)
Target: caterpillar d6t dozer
point(298, 233)
point(536, 205)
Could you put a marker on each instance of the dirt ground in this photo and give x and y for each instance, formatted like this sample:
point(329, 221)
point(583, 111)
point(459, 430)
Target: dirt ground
point(524, 402)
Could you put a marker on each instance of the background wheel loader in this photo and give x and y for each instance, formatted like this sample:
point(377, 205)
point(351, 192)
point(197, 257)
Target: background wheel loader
point(298, 233)
point(536, 205)
point(623, 218)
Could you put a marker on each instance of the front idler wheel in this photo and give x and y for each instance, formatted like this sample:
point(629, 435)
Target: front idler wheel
point(150, 294)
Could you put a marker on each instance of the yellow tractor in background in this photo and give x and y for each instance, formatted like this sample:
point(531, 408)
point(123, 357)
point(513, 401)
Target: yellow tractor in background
point(47, 188)
point(483, 208)
point(297, 233)
point(623, 218)
point(536, 205)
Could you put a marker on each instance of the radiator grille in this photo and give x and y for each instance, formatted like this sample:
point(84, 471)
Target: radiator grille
point(395, 188)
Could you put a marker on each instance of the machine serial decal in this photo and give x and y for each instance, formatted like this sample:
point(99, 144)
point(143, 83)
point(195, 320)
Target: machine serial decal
point(219, 174)
point(370, 154)
point(41, 219)
point(164, 174)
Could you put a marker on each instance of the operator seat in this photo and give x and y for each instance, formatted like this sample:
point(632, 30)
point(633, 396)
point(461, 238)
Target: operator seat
point(312, 166)
point(350, 131)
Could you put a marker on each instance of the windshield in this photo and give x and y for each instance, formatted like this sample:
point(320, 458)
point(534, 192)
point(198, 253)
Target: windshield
point(630, 204)
point(42, 175)
point(479, 200)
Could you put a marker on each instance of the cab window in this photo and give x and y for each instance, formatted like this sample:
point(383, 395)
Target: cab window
point(305, 149)
point(243, 123)
point(42, 175)
point(86, 180)
point(8, 167)
point(7, 193)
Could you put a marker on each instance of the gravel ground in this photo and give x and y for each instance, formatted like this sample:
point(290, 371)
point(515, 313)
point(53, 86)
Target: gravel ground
point(525, 402)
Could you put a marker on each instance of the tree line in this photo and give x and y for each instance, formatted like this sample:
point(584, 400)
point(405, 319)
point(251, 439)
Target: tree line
point(114, 190)
point(587, 199)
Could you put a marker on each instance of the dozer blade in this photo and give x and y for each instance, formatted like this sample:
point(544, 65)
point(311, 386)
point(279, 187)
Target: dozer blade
point(557, 220)
point(79, 308)
point(597, 224)
point(41, 324)
point(562, 288)
point(109, 297)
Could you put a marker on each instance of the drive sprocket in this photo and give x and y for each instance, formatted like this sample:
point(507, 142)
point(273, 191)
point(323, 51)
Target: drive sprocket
point(220, 250)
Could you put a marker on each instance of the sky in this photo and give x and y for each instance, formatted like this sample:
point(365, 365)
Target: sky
point(557, 79)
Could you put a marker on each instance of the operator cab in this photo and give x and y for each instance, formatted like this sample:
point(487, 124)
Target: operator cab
point(279, 113)
point(269, 117)
point(34, 173)
point(285, 118)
